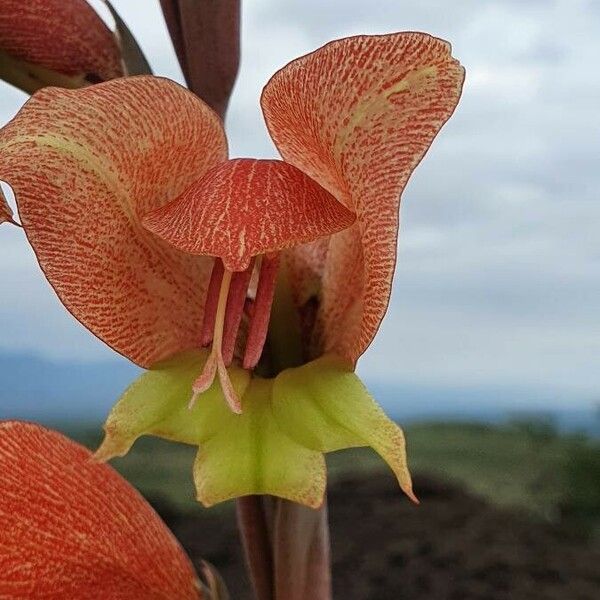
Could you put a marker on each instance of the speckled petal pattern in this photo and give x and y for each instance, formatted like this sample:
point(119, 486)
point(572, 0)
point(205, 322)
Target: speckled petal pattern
point(85, 166)
point(246, 207)
point(66, 36)
point(74, 528)
point(357, 116)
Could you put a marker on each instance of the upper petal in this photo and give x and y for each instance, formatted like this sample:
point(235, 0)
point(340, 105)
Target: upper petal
point(85, 165)
point(357, 116)
point(246, 207)
point(67, 37)
point(72, 527)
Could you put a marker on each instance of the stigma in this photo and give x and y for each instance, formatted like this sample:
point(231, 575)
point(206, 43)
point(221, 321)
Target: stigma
point(227, 300)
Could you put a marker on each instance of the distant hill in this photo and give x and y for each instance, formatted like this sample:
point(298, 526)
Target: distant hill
point(37, 388)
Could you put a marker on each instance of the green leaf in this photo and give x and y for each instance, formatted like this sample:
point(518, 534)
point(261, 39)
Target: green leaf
point(133, 56)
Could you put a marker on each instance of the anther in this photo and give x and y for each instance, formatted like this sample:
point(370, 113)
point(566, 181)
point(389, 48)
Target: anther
point(226, 301)
point(215, 363)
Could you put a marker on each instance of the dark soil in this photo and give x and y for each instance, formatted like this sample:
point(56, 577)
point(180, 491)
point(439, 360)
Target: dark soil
point(454, 546)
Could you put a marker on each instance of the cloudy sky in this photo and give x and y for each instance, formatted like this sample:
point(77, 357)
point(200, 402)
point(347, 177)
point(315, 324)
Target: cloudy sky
point(498, 282)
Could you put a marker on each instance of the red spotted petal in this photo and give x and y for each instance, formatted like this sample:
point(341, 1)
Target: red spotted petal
point(63, 36)
point(74, 528)
point(246, 207)
point(357, 116)
point(85, 165)
point(5, 211)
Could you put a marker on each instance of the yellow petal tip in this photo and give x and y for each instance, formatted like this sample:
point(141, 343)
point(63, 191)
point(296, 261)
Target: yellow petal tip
point(111, 447)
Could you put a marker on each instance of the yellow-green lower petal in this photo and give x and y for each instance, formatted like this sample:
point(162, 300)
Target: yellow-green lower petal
point(252, 455)
point(276, 445)
point(324, 406)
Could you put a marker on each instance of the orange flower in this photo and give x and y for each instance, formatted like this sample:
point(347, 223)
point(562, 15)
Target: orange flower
point(73, 528)
point(55, 42)
point(159, 244)
point(351, 120)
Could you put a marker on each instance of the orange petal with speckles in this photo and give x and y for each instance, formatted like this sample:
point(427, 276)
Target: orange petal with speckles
point(357, 116)
point(246, 207)
point(42, 40)
point(5, 211)
point(85, 165)
point(74, 528)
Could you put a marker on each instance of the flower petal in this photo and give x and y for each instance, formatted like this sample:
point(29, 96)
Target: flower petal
point(357, 116)
point(55, 42)
point(71, 527)
point(85, 165)
point(324, 406)
point(246, 207)
point(157, 403)
point(250, 454)
point(276, 445)
point(239, 454)
point(6, 214)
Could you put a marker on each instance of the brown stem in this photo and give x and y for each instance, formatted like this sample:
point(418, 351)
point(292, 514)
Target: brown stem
point(206, 37)
point(286, 546)
point(301, 552)
point(291, 540)
point(254, 532)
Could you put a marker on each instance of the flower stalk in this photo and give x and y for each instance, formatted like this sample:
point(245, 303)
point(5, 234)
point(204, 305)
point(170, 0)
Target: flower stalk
point(286, 545)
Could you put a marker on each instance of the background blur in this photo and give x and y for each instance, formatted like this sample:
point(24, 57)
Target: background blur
point(495, 307)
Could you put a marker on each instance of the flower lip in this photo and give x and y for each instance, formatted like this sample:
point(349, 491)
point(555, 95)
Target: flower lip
point(247, 207)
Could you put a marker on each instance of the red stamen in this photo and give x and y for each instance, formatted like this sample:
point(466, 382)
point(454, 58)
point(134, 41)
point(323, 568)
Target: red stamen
point(212, 301)
point(214, 362)
point(226, 300)
point(261, 313)
point(235, 308)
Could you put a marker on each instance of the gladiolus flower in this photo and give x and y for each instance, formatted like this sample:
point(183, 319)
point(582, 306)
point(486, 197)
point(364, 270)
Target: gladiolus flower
point(55, 42)
point(73, 528)
point(159, 244)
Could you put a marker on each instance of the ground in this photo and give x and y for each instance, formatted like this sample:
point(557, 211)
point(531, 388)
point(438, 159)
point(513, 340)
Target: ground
point(455, 546)
point(506, 513)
